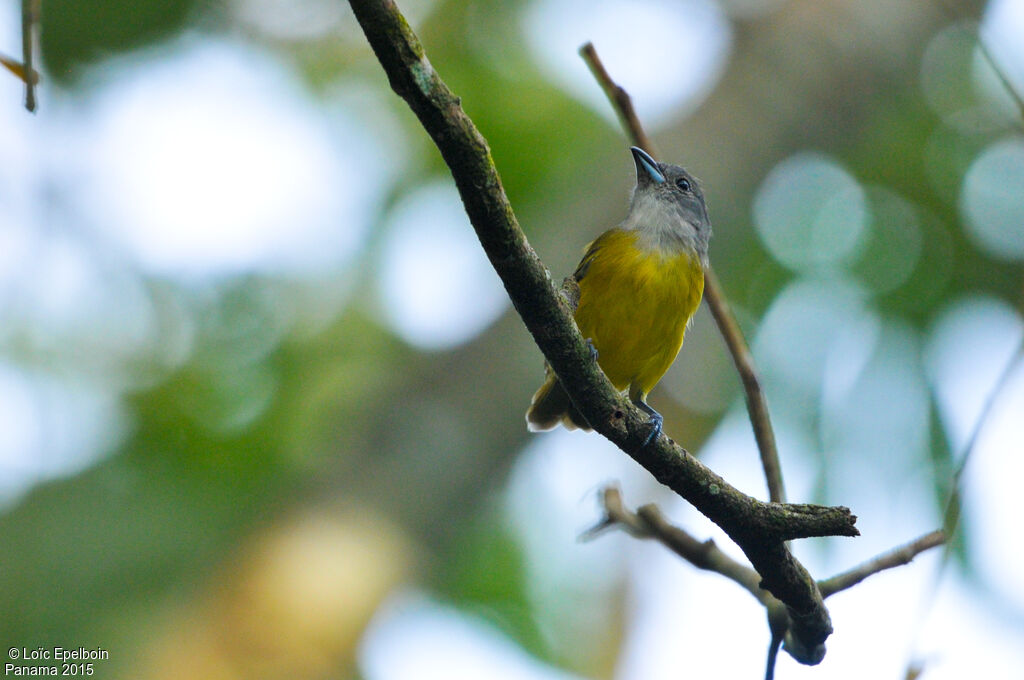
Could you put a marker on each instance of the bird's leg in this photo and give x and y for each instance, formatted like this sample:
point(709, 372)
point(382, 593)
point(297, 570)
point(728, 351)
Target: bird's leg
point(656, 418)
point(593, 350)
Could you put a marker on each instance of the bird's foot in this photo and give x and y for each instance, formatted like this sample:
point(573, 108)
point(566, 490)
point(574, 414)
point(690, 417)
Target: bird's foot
point(656, 422)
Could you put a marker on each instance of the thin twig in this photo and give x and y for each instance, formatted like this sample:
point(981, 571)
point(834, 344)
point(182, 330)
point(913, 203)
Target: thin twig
point(29, 16)
point(951, 515)
point(896, 557)
point(1001, 75)
point(757, 406)
point(953, 14)
point(702, 554)
point(622, 102)
point(648, 522)
point(773, 656)
point(952, 512)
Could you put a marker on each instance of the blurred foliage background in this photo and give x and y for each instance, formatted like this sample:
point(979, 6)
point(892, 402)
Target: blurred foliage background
point(261, 396)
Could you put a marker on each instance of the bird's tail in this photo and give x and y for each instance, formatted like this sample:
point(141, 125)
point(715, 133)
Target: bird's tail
point(551, 406)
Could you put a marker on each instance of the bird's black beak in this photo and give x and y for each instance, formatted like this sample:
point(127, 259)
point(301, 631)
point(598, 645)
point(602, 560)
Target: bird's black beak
point(647, 171)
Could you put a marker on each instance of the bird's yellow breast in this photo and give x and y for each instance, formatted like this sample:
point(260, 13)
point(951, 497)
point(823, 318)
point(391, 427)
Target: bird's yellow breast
point(635, 303)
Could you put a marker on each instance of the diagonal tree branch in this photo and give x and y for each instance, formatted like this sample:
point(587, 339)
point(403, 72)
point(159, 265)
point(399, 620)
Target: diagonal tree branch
point(759, 528)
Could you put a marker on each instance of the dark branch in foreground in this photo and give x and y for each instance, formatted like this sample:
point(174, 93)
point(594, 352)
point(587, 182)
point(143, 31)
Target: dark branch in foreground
point(760, 529)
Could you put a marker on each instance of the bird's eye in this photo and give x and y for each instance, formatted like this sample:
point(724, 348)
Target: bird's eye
point(683, 183)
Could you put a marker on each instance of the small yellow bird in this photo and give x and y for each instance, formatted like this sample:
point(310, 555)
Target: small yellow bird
point(639, 285)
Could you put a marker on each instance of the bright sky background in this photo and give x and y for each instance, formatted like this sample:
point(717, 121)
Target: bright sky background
point(668, 53)
point(448, 305)
point(206, 159)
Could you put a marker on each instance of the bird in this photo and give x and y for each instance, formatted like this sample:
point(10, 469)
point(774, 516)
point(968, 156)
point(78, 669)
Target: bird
point(639, 285)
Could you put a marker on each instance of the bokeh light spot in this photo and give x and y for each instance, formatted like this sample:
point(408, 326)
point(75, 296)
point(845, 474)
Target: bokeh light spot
point(992, 487)
point(412, 637)
point(968, 347)
point(751, 9)
point(438, 289)
point(894, 246)
point(51, 426)
point(1002, 27)
point(291, 19)
point(884, 408)
point(969, 353)
point(946, 67)
point(802, 329)
point(810, 212)
point(993, 200)
point(667, 54)
point(209, 160)
point(20, 432)
point(958, 80)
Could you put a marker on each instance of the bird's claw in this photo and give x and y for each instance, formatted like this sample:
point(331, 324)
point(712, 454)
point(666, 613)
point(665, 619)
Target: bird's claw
point(656, 421)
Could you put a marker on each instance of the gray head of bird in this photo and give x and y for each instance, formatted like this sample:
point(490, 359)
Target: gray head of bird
point(667, 208)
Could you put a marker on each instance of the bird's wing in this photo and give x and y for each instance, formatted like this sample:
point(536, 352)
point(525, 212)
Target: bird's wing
point(589, 253)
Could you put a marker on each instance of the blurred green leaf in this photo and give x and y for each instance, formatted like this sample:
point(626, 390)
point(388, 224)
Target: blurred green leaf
point(484, 572)
point(75, 34)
